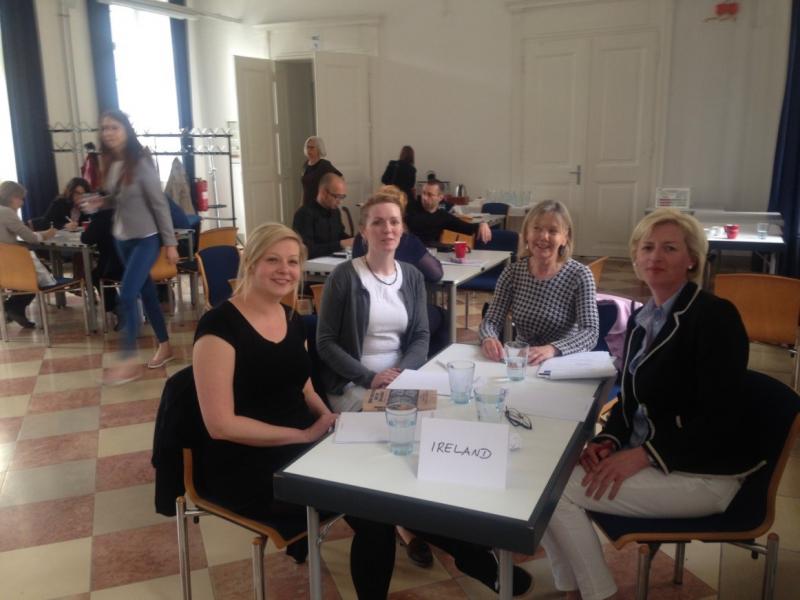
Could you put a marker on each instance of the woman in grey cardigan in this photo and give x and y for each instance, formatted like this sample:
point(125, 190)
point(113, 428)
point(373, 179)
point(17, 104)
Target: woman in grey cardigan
point(142, 224)
point(373, 321)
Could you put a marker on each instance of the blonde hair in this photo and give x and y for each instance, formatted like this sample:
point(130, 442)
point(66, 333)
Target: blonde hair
point(548, 207)
point(393, 190)
point(693, 235)
point(9, 190)
point(381, 198)
point(261, 239)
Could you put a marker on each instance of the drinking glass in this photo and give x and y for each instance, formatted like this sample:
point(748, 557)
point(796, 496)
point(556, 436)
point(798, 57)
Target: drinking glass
point(516, 360)
point(490, 403)
point(461, 374)
point(401, 417)
point(762, 229)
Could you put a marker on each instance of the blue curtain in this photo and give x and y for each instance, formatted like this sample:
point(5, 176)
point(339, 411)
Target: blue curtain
point(105, 74)
point(785, 194)
point(180, 59)
point(36, 167)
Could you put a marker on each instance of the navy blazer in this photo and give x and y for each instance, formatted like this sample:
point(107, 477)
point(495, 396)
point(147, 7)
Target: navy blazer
point(691, 381)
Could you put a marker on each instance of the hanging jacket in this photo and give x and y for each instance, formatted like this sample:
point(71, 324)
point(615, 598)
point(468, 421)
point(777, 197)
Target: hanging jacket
point(177, 187)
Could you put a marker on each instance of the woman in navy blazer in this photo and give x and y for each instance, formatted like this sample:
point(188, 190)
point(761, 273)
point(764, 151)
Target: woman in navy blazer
point(672, 446)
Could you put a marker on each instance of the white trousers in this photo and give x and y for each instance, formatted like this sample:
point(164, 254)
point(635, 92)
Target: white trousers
point(351, 400)
point(571, 542)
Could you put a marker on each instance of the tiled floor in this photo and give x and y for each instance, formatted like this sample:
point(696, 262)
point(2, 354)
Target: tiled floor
point(76, 492)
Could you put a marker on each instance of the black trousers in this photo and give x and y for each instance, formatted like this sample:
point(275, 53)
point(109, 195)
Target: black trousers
point(17, 304)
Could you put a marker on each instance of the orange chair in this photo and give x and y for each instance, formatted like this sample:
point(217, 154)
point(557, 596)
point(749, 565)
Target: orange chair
point(18, 276)
point(451, 237)
point(221, 236)
point(596, 267)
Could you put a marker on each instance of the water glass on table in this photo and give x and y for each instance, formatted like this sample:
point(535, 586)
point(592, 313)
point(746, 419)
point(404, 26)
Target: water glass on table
point(461, 374)
point(762, 229)
point(401, 417)
point(490, 402)
point(516, 360)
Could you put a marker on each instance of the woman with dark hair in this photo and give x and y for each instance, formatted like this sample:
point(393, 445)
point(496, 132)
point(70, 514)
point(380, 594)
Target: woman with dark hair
point(402, 172)
point(142, 224)
point(64, 212)
point(315, 167)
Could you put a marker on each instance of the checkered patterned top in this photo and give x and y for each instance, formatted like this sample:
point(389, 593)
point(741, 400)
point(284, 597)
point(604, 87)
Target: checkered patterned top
point(561, 311)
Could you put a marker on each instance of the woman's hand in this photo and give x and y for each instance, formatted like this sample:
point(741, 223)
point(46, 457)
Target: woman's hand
point(539, 354)
point(71, 226)
point(484, 233)
point(320, 427)
point(384, 378)
point(172, 255)
point(613, 471)
point(594, 453)
point(492, 349)
point(46, 235)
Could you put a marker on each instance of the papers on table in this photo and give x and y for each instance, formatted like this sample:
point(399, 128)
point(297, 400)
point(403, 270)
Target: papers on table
point(581, 365)
point(365, 427)
point(411, 379)
point(327, 260)
point(466, 262)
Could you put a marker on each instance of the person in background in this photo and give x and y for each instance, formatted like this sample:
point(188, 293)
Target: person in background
point(99, 234)
point(142, 224)
point(402, 172)
point(427, 222)
point(315, 167)
point(551, 297)
point(676, 445)
point(12, 197)
point(65, 211)
point(320, 223)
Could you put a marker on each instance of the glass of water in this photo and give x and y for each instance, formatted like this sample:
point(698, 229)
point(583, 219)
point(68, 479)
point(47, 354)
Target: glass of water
point(490, 403)
point(401, 417)
point(516, 360)
point(762, 229)
point(461, 374)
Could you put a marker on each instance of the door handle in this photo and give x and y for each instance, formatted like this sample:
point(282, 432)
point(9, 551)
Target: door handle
point(577, 173)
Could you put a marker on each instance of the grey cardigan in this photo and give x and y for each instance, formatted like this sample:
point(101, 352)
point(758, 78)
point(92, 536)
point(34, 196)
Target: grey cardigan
point(141, 206)
point(343, 325)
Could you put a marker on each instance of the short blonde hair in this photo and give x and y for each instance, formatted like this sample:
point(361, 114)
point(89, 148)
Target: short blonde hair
point(261, 239)
point(548, 207)
point(393, 190)
point(320, 145)
point(9, 190)
point(693, 235)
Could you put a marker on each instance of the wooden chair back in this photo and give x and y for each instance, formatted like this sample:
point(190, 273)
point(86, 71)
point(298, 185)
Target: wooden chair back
point(451, 237)
point(316, 294)
point(596, 267)
point(16, 269)
point(162, 269)
point(221, 236)
point(768, 304)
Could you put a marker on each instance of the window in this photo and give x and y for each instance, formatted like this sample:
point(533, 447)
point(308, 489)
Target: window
point(8, 164)
point(146, 77)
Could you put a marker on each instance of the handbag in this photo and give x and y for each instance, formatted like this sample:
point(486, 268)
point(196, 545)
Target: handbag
point(43, 277)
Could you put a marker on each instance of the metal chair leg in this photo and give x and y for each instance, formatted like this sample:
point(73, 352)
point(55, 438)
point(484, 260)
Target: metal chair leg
point(770, 567)
point(103, 318)
point(3, 325)
point(646, 554)
point(259, 584)
point(680, 555)
point(43, 315)
point(183, 548)
point(86, 292)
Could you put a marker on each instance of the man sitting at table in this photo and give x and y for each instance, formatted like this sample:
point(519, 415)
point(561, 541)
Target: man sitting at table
point(320, 223)
point(426, 221)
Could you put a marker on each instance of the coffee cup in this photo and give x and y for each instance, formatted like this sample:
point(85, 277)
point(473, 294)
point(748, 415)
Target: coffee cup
point(731, 230)
point(460, 250)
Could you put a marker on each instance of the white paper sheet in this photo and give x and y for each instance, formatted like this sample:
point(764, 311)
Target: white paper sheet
point(411, 379)
point(364, 427)
point(574, 408)
point(581, 365)
point(328, 260)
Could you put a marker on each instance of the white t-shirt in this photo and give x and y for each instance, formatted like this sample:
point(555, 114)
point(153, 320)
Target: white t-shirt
point(388, 319)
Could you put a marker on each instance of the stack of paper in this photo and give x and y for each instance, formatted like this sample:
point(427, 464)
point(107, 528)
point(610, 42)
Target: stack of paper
point(411, 379)
point(581, 365)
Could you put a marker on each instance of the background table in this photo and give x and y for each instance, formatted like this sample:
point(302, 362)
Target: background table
point(367, 481)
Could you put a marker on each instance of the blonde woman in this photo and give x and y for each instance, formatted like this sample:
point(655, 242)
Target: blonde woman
point(253, 382)
point(551, 297)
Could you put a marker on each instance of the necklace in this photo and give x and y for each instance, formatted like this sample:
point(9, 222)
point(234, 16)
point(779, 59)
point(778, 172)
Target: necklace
point(392, 282)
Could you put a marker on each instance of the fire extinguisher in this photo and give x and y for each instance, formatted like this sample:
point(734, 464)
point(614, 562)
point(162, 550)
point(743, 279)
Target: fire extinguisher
point(201, 187)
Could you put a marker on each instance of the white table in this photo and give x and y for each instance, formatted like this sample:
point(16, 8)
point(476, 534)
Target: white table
point(770, 246)
point(317, 269)
point(367, 481)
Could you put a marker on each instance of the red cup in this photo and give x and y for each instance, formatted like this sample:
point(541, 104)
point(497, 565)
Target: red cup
point(85, 225)
point(731, 230)
point(460, 249)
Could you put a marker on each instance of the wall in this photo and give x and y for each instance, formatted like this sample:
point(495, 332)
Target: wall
point(724, 102)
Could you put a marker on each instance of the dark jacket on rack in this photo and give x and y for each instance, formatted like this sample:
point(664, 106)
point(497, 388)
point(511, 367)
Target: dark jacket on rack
point(690, 381)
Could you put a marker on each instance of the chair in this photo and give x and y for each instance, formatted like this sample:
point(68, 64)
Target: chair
point(316, 294)
point(18, 276)
point(449, 238)
point(772, 413)
point(497, 208)
point(596, 267)
point(220, 236)
point(217, 266)
point(607, 313)
point(503, 240)
point(770, 308)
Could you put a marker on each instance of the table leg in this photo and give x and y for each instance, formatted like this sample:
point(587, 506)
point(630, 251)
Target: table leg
point(506, 578)
point(452, 295)
point(773, 263)
point(314, 560)
point(87, 274)
point(57, 265)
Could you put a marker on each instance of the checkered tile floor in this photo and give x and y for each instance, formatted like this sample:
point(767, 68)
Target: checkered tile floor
point(76, 492)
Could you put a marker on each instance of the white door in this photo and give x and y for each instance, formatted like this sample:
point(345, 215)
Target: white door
point(554, 97)
point(587, 114)
point(341, 84)
point(619, 147)
point(257, 126)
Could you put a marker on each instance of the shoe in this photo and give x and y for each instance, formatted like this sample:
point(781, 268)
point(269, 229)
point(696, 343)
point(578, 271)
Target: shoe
point(419, 552)
point(121, 375)
point(298, 551)
point(20, 319)
point(155, 365)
